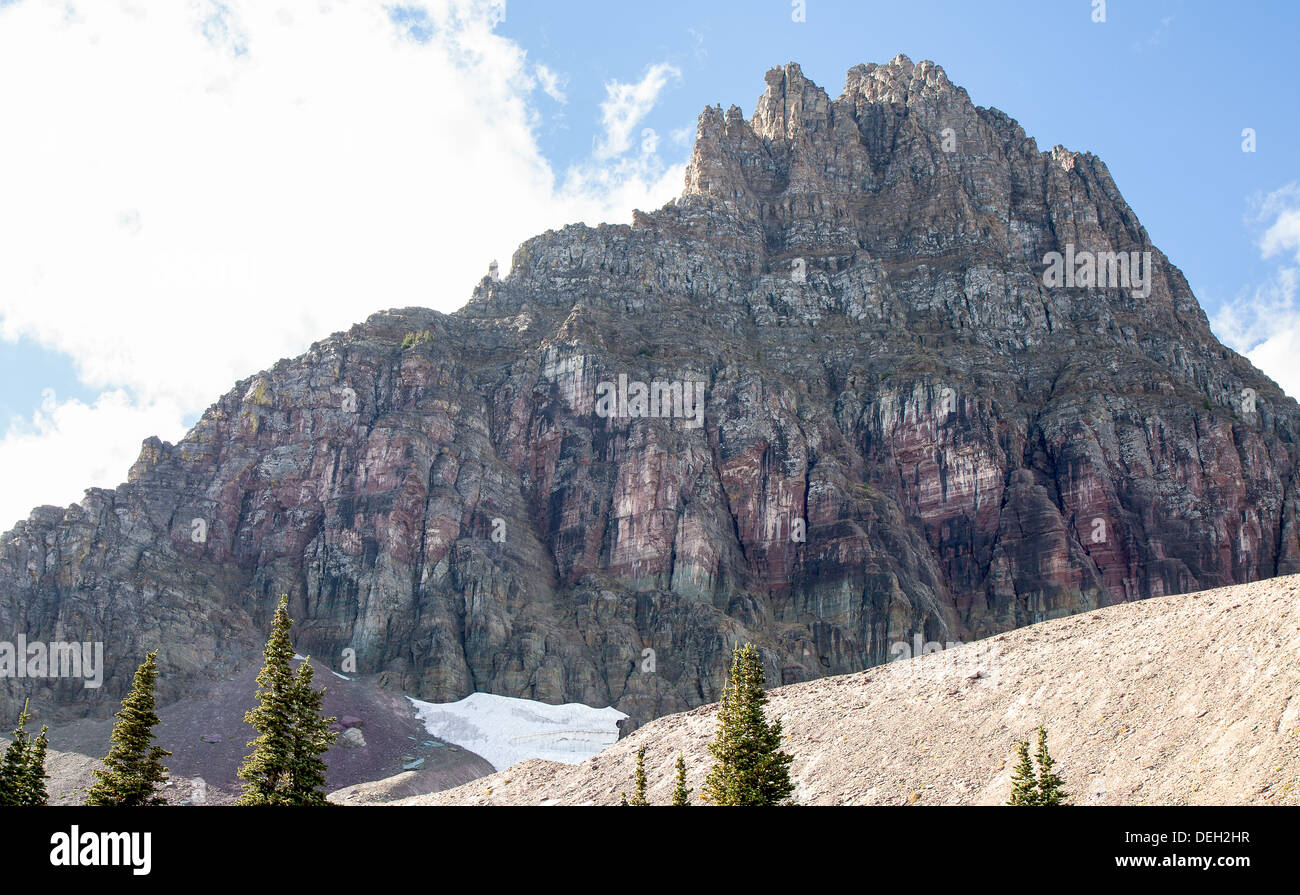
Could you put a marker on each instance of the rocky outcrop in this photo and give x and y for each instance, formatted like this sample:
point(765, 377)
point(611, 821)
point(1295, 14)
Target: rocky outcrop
point(908, 428)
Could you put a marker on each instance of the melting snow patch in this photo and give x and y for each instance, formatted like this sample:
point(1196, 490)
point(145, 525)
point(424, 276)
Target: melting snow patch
point(506, 731)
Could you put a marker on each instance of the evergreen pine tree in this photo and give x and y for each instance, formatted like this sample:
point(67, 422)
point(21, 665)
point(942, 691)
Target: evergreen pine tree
point(267, 769)
point(1036, 787)
point(13, 767)
point(1051, 787)
point(681, 795)
point(638, 795)
point(312, 738)
point(749, 767)
point(36, 794)
point(1024, 782)
point(133, 769)
point(285, 766)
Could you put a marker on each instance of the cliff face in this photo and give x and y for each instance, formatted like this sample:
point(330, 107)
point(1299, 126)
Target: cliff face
point(903, 431)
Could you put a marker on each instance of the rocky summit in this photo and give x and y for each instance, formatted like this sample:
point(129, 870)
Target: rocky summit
point(885, 375)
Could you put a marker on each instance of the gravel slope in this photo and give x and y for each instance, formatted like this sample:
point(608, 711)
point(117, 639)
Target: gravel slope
point(1189, 699)
point(208, 739)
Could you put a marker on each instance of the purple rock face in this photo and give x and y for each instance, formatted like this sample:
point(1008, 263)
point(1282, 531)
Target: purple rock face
point(914, 421)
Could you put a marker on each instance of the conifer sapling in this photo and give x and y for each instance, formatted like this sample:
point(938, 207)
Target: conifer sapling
point(749, 767)
point(285, 766)
point(681, 795)
point(22, 769)
point(133, 769)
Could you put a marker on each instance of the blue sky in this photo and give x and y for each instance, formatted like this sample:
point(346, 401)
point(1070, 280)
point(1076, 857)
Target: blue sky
point(196, 192)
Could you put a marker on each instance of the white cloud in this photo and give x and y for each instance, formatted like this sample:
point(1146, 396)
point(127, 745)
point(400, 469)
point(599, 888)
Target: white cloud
point(85, 443)
point(551, 83)
point(1157, 37)
point(192, 191)
point(1264, 323)
point(684, 135)
point(626, 105)
point(1281, 209)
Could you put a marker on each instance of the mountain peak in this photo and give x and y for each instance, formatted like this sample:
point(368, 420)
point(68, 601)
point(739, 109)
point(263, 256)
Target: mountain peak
point(899, 81)
point(828, 402)
point(791, 105)
point(902, 160)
